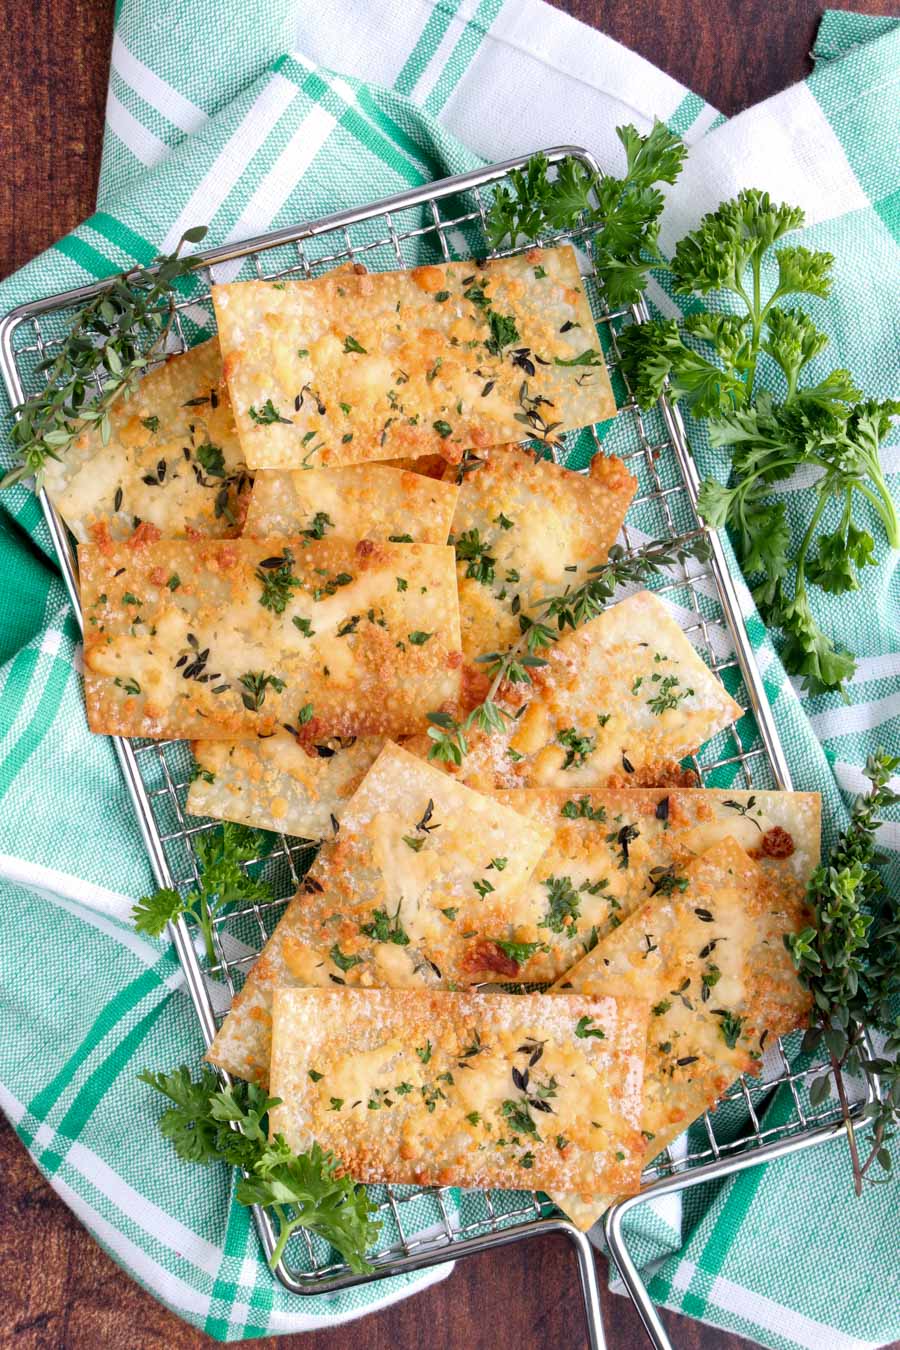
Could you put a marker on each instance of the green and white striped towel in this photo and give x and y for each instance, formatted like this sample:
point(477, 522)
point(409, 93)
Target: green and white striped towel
point(252, 117)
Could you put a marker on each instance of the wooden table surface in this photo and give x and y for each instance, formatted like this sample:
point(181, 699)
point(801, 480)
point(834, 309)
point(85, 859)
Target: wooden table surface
point(58, 1291)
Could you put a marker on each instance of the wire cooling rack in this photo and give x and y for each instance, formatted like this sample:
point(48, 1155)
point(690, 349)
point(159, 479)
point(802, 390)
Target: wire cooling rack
point(758, 1119)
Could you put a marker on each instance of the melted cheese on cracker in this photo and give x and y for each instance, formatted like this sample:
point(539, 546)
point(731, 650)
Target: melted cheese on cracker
point(345, 369)
point(377, 502)
point(524, 528)
point(710, 959)
point(418, 887)
point(462, 1089)
point(231, 639)
point(172, 459)
point(623, 697)
point(275, 783)
point(613, 850)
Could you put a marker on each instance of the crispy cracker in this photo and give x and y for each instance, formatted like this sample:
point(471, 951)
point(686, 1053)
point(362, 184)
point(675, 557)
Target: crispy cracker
point(620, 701)
point(722, 935)
point(344, 369)
point(374, 502)
point(172, 459)
point(613, 848)
point(423, 875)
point(526, 527)
point(463, 1089)
point(179, 641)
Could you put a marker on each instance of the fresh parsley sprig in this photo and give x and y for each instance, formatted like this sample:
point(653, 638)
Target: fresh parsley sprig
point(223, 882)
point(113, 338)
point(849, 959)
point(550, 617)
point(712, 363)
point(208, 1123)
point(621, 214)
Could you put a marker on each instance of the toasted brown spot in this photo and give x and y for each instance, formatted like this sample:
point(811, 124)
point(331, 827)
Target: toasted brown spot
point(488, 956)
point(428, 279)
point(99, 532)
point(146, 533)
point(777, 843)
point(666, 773)
point(610, 470)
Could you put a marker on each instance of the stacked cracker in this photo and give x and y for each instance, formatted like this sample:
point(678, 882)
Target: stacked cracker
point(265, 570)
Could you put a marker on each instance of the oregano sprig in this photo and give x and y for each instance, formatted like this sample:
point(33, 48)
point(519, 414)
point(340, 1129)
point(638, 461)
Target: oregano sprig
point(113, 338)
point(849, 959)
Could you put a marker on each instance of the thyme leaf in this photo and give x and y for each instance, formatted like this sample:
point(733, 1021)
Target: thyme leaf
point(111, 340)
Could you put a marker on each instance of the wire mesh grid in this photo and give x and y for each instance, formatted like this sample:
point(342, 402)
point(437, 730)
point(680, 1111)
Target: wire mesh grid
point(442, 223)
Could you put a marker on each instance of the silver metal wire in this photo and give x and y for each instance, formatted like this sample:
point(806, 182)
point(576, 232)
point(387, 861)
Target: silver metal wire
point(759, 1118)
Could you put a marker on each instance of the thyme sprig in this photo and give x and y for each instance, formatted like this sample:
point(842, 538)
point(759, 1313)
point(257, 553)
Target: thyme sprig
point(849, 959)
point(550, 617)
point(112, 339)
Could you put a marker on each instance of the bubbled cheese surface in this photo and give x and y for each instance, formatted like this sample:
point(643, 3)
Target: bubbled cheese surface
point(195, 639)
point(462, 1089)
point(345, 369)
point(711, 960)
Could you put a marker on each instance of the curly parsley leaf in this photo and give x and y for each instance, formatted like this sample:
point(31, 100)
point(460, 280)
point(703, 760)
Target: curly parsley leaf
point(277, 578)
point(187, 1123)
point(267, 416)
point(840, 553)
point(622, 214)
point(223, 883)
point(301, 1190)
point(318, 1199)
point(711, 362)
point(520, 952)
point(153, 912)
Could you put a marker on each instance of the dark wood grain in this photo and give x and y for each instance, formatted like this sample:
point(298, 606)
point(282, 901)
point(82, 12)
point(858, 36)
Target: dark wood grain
point(58, 1290)
point(54, 66)
point(55, 60)
point(733, 52)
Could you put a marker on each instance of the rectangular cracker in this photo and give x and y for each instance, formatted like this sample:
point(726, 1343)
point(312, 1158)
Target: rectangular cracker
point(621, 700)
point(345, 369)
point(526, 527)
point(422, 873)
point(463, 1089)
point(723, 933)
point(178, 641)
point(613, 849)
point(275, 783)
point(172, 459)
point(375, 502)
